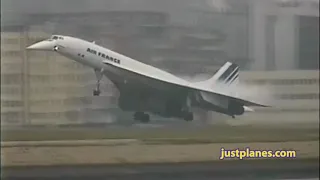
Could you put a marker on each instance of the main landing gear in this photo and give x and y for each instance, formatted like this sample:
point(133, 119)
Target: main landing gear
point(188, 116)
point(99, 75)
point(142, 117)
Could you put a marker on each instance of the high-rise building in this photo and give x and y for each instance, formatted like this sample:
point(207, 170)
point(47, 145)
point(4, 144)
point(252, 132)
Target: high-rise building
point(44, 87)
point(284, 34)
point(12, 94)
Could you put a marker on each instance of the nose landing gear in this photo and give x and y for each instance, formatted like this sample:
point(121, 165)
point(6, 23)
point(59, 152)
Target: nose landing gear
point(96, 92)
point(188, 116)
point(99, 75)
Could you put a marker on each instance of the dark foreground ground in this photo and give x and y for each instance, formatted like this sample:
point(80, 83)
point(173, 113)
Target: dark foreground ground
point(253, 169)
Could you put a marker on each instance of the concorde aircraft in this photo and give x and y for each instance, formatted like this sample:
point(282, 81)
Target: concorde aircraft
point(145, 89)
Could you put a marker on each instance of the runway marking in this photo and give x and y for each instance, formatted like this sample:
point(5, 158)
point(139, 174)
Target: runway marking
point(300, 179)
point(313, 135)
point(69, 142)
point(238, 137)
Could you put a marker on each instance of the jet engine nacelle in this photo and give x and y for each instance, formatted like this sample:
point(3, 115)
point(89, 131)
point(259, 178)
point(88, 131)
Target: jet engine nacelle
point(155, 104)
point(132, 102)
point(235, 108)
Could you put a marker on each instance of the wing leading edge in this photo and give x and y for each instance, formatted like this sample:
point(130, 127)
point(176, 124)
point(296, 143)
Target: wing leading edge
point(170, 83)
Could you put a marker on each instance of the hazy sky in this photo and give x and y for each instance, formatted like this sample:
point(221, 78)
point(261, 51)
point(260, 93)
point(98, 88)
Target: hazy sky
point(178, 9)
point(36, 6)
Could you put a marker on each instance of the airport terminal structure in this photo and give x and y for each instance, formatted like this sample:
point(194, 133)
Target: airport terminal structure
point(276, 44)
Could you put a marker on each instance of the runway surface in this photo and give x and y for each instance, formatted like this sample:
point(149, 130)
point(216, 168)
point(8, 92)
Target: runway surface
point(252, 169)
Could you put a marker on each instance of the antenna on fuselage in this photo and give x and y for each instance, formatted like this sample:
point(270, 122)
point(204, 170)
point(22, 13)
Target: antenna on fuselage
point(94, 42)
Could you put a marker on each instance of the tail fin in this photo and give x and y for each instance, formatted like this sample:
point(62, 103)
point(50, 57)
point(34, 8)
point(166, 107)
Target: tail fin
point(228, 74)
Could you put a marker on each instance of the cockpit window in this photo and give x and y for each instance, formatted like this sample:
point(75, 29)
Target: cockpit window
point(56, 37)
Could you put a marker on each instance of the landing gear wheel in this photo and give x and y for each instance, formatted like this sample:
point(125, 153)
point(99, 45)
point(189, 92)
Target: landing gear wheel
point(142, 117)
point(96, 92)
point(188, 116)
point(137, 115)
point(145, 118)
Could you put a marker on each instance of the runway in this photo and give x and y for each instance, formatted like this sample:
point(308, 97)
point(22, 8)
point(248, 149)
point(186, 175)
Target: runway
point(249, 169)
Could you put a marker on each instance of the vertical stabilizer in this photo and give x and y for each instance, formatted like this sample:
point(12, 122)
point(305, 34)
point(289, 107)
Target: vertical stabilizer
point(228, 74)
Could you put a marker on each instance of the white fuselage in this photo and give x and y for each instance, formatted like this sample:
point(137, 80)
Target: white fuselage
point(149, 85)
point(77, 49)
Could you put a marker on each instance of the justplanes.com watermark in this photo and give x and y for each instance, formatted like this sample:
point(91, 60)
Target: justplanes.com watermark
point(247, 153)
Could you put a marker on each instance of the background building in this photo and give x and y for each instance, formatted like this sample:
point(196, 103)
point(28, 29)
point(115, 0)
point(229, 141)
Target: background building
point(164, 24)
point(294, 96)
point(285, 34)
point(43, 87)
point(277, 40)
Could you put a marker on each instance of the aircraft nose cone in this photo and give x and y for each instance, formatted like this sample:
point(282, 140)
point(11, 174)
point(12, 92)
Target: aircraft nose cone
point(32, 47)
point(42, 45)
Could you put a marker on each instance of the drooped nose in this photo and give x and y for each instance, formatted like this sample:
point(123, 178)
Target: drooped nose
point(42, 45)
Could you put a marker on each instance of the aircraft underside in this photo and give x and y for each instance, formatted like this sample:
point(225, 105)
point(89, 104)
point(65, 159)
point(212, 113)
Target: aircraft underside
point(155, 102)
point(143, 98)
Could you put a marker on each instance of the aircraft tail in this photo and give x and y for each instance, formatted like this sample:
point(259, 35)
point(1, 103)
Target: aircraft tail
point(228, 74)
